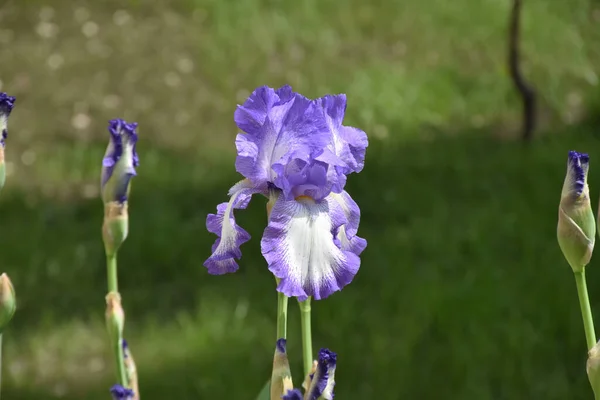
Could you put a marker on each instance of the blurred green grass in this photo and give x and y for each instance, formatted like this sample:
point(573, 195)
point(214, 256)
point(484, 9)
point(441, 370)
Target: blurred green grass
point(462, 292)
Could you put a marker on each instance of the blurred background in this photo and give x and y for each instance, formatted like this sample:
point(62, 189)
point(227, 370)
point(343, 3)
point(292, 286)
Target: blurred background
point(463, 292)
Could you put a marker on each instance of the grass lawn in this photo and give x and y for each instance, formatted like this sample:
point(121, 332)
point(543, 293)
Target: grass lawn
point(463, 292)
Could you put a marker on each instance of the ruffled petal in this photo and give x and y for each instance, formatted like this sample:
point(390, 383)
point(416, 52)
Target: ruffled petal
point(301, 248)
point(276, 123)
point(299, 174)
point(349, 143)
point(226, 248)
point(348, 240)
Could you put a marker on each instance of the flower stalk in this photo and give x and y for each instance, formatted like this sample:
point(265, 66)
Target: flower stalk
point(282, 311)
point(305, 323)
point(586, 310)
point(115, 322)
point(118, 167)
point(8, 306)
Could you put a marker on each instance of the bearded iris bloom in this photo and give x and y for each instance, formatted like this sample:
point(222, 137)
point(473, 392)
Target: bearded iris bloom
point(120, 161)
point(296, 152)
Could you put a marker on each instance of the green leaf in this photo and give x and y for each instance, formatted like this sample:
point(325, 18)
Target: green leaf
point(265, 392)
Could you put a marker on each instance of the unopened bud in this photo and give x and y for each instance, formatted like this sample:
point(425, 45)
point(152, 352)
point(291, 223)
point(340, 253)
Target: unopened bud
point(576, 231)
point(323, 380)
point(281, 378)
point(120, 161)
point(8, 301)
point(6, 105)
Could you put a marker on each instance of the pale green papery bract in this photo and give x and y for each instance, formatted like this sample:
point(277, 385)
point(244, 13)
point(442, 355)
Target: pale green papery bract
point(593, 369)
point(576, 230)
point(8, 302)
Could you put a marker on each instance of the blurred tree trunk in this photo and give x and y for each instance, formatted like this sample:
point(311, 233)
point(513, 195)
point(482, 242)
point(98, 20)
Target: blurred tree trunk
point(527, 93)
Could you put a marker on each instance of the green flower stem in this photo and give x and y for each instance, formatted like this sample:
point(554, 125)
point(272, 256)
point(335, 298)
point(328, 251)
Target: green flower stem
point(117, 342)
point(282, 310)
point(111, 272)
point(306, 335)
point(0, 364)
point(586, 311)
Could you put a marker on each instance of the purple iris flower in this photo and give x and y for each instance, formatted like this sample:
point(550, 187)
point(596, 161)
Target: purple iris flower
point(120, 160)
point(323, 380)
point(6, 105)
point(121, 393)
point(294, 394)
point(296, 152)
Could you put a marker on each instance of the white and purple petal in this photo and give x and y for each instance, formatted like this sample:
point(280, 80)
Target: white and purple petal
point(323, 380)
point(277, 123)
point(301, 248)
point(231, 236)
point(349, 143)
point(347, 234)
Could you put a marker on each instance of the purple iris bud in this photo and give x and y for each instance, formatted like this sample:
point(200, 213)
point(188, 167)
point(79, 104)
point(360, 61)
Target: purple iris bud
point(294, 394)
point(120, 160)
point(281, 380)
point(121, 393)
point(296, 152)
point(6, 105)
point(323, 380)
point(576, 230)
point(577, 169)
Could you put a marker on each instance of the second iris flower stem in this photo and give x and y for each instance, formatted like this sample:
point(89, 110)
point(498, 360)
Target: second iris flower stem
point(586, 311)
point(116, 339)
point(306, 335)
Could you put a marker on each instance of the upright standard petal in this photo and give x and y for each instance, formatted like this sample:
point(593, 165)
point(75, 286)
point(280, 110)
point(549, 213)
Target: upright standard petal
point(231, 236)
point(276, 123)
point(323, 380)
point(301, 248)
point(119, 392)
point(300, 174)
point(349, 143)
point(6, 105)
point(120, 161)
